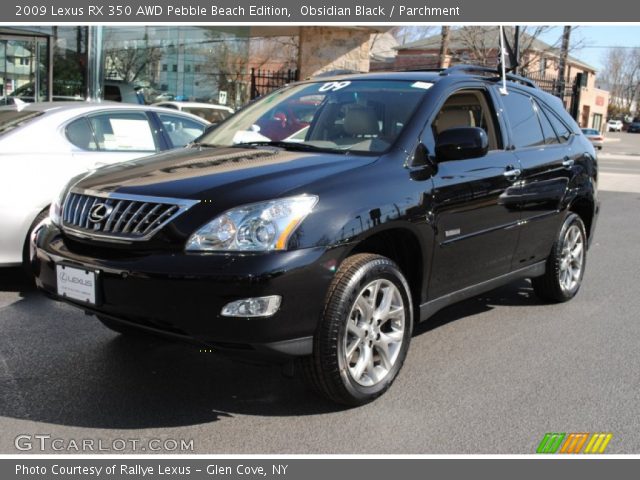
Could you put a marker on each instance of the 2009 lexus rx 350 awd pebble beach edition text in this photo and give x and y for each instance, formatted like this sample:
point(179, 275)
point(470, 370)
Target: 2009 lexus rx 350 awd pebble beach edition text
point(325, 220)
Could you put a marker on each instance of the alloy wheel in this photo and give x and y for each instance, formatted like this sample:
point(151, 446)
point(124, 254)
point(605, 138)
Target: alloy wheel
point(572, 259)
point(374, 333)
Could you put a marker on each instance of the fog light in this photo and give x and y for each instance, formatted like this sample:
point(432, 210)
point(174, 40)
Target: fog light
point(253, 307)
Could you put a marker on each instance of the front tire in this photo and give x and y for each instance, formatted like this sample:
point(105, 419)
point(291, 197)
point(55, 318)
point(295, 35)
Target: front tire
point(566, 263)
point(363, 337)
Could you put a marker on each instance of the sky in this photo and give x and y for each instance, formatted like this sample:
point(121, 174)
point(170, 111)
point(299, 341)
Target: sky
point(596, 40)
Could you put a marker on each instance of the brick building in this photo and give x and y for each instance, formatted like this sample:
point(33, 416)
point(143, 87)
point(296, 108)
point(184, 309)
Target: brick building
point(539, 61)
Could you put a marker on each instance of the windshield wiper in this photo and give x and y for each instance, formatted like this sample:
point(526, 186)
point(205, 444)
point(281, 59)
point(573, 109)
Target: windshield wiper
point(286, 145)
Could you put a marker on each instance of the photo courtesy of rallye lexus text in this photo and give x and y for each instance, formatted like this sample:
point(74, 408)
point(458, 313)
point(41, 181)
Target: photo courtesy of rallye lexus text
point(323, 221)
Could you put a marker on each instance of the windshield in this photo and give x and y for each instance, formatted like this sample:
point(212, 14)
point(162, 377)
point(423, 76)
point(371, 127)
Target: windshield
point(359, 116)
point(10, 119)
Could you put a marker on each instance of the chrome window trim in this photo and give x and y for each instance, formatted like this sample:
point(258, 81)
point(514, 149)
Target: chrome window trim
point(182, 204)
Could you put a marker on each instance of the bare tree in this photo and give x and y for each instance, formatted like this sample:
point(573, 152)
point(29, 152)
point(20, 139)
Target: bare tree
point(228, 68)
point(480, 44)
point(130, 62)
point(621, 76)
point(276, 53)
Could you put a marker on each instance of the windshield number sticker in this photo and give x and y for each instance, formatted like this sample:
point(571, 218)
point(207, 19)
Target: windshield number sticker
point(333, 86)
point(423, 85)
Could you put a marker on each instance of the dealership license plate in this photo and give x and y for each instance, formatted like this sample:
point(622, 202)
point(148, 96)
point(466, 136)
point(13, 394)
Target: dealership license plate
point(76, 284)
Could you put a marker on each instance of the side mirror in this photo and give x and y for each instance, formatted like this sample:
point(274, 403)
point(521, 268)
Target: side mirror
point(421, 157)
point(461, 143)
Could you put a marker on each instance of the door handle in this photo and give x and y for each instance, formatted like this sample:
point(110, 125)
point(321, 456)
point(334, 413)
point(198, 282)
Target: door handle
point(512, 173)
point(568, 162)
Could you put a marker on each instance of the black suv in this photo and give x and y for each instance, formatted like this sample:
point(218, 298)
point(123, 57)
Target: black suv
point(326, 219)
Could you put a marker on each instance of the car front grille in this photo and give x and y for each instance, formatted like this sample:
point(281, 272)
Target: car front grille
point(119, 217)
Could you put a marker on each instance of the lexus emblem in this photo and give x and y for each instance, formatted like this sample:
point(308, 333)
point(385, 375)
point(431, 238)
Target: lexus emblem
point(99, 212)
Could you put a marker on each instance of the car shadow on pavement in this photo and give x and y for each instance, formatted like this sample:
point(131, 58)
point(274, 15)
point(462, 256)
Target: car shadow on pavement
point(65, 368)
point(515, 294)
point(14, 279)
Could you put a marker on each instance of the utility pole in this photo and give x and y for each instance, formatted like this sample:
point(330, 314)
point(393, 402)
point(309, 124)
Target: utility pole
point(444, 46)
point(562, 66)
point(516, 48)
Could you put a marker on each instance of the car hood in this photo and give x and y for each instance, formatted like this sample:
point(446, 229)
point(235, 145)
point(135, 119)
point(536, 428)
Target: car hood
point(205, 173)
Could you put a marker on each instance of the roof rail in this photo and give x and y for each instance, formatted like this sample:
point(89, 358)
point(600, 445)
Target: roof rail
point(479, 69)
point(437, 70)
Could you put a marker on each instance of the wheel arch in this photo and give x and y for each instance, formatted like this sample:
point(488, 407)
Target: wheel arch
point(402, 245)
point(585, 208)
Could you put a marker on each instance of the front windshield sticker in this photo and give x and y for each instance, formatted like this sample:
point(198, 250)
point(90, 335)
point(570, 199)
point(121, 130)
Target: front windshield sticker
point(423, 85)
point(333, 86)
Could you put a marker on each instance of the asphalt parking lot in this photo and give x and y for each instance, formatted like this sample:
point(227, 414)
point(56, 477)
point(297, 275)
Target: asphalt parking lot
point(490, 375)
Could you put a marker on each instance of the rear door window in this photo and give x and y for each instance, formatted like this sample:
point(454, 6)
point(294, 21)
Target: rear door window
point(550, 136)
point(525, 127)
point(123, 132)
point(560, 128)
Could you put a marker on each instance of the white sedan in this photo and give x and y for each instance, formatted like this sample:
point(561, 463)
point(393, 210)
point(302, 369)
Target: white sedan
point(43, 145)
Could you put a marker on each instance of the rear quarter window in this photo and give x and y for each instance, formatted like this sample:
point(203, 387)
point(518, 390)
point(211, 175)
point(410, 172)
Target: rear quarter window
point(79, 133)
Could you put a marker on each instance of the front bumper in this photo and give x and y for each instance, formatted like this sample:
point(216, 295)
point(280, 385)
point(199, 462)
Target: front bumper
point(183, 293)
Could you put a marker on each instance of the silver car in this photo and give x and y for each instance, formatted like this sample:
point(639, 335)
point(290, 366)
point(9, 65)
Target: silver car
point(594, 136)
point(44, 145)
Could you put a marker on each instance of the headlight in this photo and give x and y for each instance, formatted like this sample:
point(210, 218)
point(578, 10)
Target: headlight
point(257, 227)
point(55, 210)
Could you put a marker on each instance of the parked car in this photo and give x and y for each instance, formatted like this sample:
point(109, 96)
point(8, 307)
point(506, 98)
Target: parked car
point(410, 191)
point(210, 112)
point(124, 92)
point(614, 126)
point(594, 136)
point(634, 127)
point(114, 90)
point(43, 145)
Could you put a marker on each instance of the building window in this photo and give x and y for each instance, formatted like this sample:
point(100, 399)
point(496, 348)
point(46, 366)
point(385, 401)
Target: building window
point(164, 67)
point(597, 121)
point(187, 68)
point(543, 66)
point(175, 67)
point(197, 68)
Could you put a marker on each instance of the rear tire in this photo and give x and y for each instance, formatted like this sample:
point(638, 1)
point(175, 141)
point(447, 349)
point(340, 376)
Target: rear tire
point(364, 334)
point(566, 263)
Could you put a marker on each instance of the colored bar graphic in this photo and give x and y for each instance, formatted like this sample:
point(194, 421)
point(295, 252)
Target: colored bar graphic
point(550, 443)
point(598, 443)
point(573, 443)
